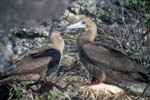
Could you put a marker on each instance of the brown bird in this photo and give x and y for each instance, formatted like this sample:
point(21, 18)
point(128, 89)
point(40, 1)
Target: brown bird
point(39, 63)
point(106, 64)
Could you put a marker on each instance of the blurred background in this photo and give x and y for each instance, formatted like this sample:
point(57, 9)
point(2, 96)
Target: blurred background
point(30, 12)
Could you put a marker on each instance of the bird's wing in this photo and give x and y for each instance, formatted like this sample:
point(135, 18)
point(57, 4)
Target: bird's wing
point(41, 49)
point(37, 62)
point(106, 58)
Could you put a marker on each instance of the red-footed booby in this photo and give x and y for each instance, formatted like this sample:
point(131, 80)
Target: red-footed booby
point(39, 63)
point(106, 64)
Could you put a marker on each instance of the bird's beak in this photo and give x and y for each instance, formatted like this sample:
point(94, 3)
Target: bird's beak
point(76, 25)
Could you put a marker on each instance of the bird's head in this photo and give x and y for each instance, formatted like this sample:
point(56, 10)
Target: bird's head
point(90, 31)
point(89, 26)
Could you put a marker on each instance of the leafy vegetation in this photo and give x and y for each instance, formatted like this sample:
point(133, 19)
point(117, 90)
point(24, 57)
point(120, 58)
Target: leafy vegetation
point(142, 6)
point(51, 95)
point(136, 55)
point(66, 35)
point(16, 90)
point(132, 3)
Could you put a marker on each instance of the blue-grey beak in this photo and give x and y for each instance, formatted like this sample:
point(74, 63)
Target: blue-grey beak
point(76, 25)
point(73, 26)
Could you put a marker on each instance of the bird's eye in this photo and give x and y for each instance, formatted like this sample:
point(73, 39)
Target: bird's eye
point(61, 28)
point(83, 23)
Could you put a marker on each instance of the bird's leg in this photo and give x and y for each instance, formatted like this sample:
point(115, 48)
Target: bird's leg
point(97, 82)
point(100, 86)
point(94, 84)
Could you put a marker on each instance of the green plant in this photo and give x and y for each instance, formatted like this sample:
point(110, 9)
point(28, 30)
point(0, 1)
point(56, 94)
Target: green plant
point(98, 12)
point(136, 55)
point(133, 3)
point(147, 21)
point(16, 89)
point(49, 95)
point(66, 35)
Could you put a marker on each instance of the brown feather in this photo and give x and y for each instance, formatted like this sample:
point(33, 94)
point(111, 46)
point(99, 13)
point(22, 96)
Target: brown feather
point(105, 63)
point(41, 61)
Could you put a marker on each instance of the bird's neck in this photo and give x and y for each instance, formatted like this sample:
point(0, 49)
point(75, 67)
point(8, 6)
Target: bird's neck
point(58, 43)
point(86, 37)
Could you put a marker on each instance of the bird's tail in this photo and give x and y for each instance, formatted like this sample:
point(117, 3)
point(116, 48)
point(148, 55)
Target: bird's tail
point(147, 80)
point(7, 80)
point(146, 77)
point(18, 78)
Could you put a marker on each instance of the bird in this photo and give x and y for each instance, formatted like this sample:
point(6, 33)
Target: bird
point(106, 64)
point(39, 63)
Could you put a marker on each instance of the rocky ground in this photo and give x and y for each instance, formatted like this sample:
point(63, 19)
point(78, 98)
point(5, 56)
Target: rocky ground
point(119, 26)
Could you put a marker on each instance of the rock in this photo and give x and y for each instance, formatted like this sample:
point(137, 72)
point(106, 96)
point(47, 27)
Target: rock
point(136, 88)
point(106, 92)
point(107, 88)
point(68, 60)
point(6, 51)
